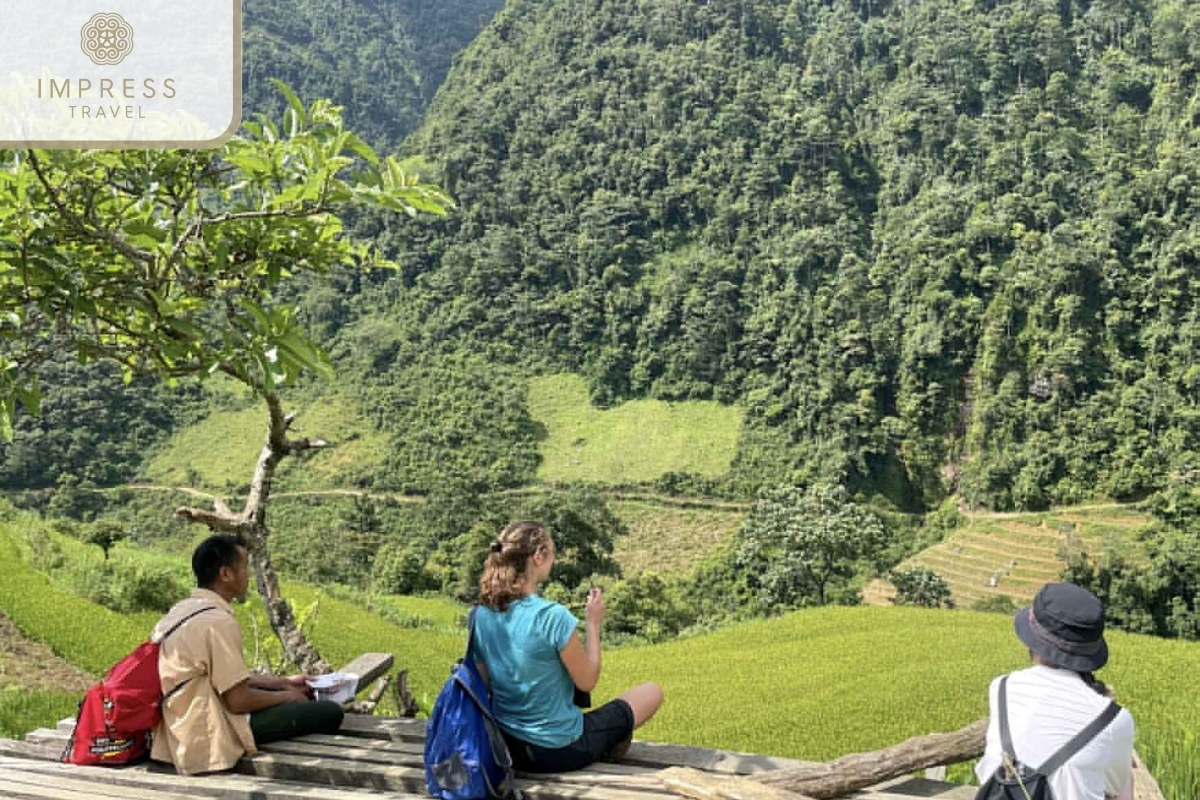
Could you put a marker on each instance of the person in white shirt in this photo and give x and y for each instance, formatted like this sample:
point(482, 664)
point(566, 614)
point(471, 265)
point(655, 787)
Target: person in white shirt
point(1052, 701)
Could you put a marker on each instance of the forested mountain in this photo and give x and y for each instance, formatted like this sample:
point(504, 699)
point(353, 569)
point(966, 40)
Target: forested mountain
point(931, 246)
point(380, 59)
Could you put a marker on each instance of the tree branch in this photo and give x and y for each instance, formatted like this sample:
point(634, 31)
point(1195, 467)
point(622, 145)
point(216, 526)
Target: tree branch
point(196, 228)
point(95, 234)
point(214, 520)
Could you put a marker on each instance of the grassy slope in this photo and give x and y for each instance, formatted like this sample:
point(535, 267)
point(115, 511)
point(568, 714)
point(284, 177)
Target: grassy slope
point(637, 441)
point(223, 447)
point(670, 540)
point(1025, 551)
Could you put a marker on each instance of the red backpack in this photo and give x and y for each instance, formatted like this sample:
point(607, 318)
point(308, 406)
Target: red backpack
point(118, 714)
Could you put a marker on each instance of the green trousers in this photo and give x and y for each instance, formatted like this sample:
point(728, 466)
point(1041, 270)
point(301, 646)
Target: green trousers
point(290, 720)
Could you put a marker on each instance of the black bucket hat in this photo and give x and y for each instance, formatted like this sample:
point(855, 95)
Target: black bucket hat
point(1065, 627)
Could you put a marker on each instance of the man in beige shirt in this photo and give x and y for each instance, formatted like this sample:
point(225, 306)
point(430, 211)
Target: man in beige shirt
point(214, 710)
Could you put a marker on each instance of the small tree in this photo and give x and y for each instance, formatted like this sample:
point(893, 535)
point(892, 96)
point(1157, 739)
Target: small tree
point(105, 534)
point(795, 545)
point(165, 262)
point(920, 586)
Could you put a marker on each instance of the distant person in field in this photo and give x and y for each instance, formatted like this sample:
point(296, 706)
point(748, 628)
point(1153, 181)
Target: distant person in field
point(215, 710)
point(534, 660)
point(1058, 697)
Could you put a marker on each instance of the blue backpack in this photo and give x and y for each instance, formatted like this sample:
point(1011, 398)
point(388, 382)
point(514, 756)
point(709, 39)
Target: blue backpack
point(466, 757)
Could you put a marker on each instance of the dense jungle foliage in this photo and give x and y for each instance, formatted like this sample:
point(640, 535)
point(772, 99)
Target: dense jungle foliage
point(380, 59)
point(931, 247)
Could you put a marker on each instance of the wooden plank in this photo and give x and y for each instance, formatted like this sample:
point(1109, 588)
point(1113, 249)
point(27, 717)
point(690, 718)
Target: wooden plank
point(656, 754)
point(411, 779)
point(395, 728)
point(368, 667)
point(909, 788)
point(648, 754)
point(160, 778)
point(26, 791)
point(1144, 785)
point(64, 787)
point(44, 751)
point(405, 754)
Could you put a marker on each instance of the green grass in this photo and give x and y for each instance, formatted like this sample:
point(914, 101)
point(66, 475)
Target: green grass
point(669, 540)
point(22, 711)
point(635, 442)
point(223, 448)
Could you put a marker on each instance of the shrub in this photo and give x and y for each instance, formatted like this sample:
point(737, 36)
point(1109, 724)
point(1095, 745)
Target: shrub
point(801, 547)
point(646, 606)
point(399, 569)
point(132, 587)
point(920, 586)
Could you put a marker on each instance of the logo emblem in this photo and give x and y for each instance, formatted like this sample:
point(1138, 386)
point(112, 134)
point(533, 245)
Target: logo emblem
point(106, 39)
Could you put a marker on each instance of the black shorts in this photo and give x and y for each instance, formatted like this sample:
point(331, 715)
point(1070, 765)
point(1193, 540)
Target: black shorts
point(603, 729)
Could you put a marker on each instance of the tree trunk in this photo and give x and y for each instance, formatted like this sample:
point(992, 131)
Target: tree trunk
point(250, 526)
point(861, 770)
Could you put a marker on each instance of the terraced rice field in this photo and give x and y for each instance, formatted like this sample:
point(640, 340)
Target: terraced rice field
point(1014, 555)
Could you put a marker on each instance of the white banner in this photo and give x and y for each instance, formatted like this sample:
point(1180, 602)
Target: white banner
point(120, 73)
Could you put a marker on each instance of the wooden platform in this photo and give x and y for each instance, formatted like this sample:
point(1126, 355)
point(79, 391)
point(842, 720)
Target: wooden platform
point(377, 757)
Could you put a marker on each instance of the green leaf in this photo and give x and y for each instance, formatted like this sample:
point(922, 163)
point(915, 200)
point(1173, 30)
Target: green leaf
point(7, 410)
point(292, 99)
point(141, 228)
point(255, 311)
point(357, 145)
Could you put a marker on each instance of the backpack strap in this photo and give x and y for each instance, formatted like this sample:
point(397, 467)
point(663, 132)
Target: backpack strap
point(1005, 733)
point(470, 631)
point(1064, 753)
point(177, 625)
point(162, 701)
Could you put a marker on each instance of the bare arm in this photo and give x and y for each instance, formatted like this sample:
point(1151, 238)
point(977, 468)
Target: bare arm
point(275, 683)
point(584, 665)
point(245, 698)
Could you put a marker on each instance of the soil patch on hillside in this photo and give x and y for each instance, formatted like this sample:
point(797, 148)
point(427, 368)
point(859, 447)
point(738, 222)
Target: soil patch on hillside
point(31, 665)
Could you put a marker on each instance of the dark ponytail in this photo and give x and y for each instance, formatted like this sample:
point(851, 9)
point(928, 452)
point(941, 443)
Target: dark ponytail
point(1096, 685)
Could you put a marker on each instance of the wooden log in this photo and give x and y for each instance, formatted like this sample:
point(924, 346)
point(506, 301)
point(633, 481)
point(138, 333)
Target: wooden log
point(406, 704)
point(705, 786)
point(368, 667)
point(860, 770)
point(1144, 785)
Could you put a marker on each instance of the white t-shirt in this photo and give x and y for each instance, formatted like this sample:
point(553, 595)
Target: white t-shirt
point(1046, 708)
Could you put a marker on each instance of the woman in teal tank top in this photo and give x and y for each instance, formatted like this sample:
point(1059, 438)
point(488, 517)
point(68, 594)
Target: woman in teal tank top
point(530, 652)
